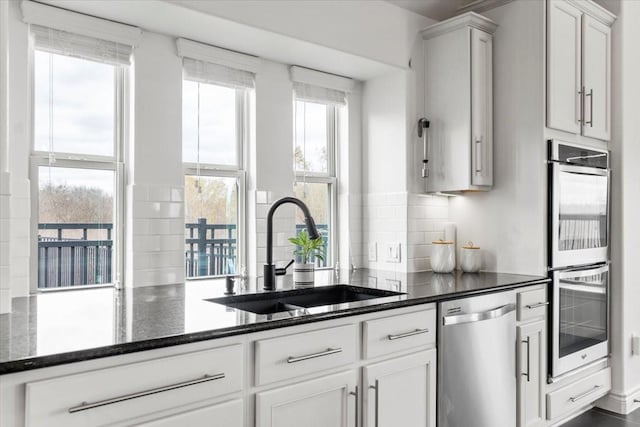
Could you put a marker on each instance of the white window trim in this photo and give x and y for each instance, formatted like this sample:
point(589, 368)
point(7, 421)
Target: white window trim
point(83, 161)
point(232, 171)
point(330, 177)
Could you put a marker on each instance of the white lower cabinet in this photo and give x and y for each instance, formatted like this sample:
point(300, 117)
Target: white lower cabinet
point(115, 395)
point(327, 401)
point(401, 392)
point(531, 374)
point(227, 414)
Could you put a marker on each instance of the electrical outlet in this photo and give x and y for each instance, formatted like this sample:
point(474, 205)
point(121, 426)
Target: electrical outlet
point(635, 345)
point(373, 251)
point(393, 285)
point(392, 252)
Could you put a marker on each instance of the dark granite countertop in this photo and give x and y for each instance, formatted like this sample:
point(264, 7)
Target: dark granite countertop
point(54, 328)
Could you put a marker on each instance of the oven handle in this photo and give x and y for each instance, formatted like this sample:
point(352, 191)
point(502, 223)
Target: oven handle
point(580, 272)
point(583, 170)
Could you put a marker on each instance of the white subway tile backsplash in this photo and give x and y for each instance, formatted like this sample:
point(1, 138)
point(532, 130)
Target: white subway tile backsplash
point(140, 193)
point(416, 238)
point(177, 194)
point(4, 253)
point(159, 193)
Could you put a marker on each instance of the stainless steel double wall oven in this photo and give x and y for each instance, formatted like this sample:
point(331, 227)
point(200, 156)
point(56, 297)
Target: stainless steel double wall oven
point(578, 255)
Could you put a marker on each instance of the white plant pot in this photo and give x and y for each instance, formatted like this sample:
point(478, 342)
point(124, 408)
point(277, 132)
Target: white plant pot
point(303, 274)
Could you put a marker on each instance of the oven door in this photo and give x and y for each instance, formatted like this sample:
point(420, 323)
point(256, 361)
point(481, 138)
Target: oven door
point(580, 317)
point(579, 215)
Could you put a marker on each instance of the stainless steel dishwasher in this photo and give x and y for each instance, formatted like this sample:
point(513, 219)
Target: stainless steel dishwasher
point(477, 361)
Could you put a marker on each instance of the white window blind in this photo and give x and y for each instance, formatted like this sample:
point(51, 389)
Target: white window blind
point(81, 46)
point(312, 93)
point(208, 72)
point(316, 86)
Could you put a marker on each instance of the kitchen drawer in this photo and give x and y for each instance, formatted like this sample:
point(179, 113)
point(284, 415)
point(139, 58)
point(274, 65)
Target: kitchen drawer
point(399, 333)
point(579, 394)
point(305, 353)
point(532, 304)
point(225, 414)
point(119, 393)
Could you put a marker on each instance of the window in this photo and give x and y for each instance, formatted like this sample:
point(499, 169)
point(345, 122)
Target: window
point(213, 131)
point(315, 169)
point(76, 157)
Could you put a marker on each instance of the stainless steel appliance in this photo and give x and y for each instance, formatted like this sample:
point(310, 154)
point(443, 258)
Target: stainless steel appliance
point(579, 205)
point(477, 361)
point(578, 255)
point(581, 317)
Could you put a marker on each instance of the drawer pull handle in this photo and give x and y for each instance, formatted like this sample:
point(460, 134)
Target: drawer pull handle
point(407, 334)
point(585, 394)
point(528, 374)
point(376, 388)
point(85, 406)
point(536, 305)
point(355, 394)
point(327, 352)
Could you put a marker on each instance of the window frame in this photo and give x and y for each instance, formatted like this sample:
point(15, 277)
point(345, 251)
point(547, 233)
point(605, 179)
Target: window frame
point(330, 177)
point(115, 163)
point(237, 171)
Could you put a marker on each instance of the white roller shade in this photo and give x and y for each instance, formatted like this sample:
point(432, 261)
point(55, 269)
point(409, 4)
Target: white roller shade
point(81, 46)
point(316, 86)
point(208, 72)
point(307, 92)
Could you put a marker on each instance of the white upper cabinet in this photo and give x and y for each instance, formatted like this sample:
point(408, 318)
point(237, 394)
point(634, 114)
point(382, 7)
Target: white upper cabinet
point(579, 68)
point(596, 78)
point(564, 93)
point(459, 103)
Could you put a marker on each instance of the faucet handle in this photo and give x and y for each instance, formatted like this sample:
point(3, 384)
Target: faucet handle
point(283, 271)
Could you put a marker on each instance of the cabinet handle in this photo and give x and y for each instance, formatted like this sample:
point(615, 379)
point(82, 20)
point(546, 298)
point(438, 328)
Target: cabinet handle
point(327, 352)
point(581, 101)
point(84, 405)
point(376, 400)
point(355, 394)
point(585, 394)
point(478, 154)
point(536, 305)
point(590, 95)
point(528, 343)
point(407, 334)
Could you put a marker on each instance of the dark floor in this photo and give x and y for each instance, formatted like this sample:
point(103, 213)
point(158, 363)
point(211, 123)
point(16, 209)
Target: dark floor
point(601, 418)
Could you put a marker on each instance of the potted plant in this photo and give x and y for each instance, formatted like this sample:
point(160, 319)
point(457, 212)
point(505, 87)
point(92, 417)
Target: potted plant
point(307, 250)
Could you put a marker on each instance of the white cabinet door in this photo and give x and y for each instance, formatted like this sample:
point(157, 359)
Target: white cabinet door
point(481, 108)
point(329, 401)
point(596, 66)
point(401, 392)
point(531, 378)
point(564, 107)
point(227, 414)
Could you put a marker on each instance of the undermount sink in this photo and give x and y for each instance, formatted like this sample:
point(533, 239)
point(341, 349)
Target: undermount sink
point(299, 299)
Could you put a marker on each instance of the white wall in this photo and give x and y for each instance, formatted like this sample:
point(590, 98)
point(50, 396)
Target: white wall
point(508, 222)
point(374, 29)
point(5, 284)
point(155, 211)
point(19, 141)
point(625, 253)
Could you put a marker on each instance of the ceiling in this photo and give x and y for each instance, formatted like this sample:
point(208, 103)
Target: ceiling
point(434, 9)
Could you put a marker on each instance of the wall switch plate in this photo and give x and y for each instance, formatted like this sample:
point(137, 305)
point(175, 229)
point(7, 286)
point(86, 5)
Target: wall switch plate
point(393, 285)
point(373, 251)
point(635, 345)
point(392, 252)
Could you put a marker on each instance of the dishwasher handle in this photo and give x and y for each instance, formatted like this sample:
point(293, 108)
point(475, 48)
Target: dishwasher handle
point(479, 316)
